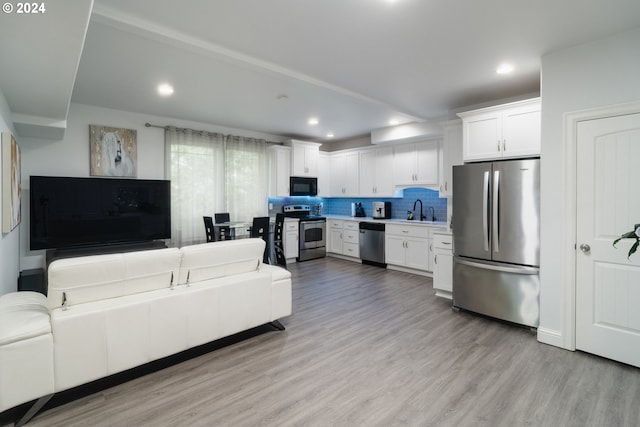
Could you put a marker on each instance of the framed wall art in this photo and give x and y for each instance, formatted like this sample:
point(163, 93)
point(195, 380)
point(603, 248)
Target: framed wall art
point(11, 183)
point(114, 151)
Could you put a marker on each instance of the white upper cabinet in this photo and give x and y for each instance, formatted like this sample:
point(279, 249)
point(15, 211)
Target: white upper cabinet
point(304, 158)
point(279, 170)
point(344, 174)
point(505, 131)
point(416, 164)
point(324, 175)
point(376, 173)
point(451, 155)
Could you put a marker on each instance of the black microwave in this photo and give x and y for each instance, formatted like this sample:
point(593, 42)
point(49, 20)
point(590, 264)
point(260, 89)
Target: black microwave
point(303, 186)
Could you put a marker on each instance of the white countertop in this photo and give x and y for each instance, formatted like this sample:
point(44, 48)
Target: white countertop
point(390, 221)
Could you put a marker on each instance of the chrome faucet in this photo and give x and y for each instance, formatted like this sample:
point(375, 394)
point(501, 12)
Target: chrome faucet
point(422, 217)
point(433, 213)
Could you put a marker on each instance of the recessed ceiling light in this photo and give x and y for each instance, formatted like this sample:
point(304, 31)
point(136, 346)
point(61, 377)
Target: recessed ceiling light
point(330, 135)
point(165, 89)
point(504, 68)
point(393, 122)
point(313, 121)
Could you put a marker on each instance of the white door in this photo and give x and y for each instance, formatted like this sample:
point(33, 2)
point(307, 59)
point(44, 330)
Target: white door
point(608, 205)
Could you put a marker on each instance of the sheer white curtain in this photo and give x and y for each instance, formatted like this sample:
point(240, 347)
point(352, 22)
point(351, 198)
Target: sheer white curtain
point(195, 165)
point(246, 178)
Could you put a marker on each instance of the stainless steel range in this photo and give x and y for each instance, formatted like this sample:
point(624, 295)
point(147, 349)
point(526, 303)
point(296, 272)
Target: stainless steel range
point(313, 232)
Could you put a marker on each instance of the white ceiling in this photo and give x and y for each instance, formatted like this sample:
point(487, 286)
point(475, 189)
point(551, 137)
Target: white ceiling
point(353, 64)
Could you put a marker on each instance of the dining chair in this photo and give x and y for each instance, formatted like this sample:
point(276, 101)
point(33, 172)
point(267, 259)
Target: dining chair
point(278, 242)
point(208, 228)
point(260, 228)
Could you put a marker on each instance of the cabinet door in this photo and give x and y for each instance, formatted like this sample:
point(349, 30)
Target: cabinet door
point(345, 174)
point(384, 172)
point(426, 154)
point(452, 155)
point(280, 167)
point(521, 131)
point(335, 240)
point(351, 174)
point(417, 253)
point(443, 273)
point(324, 175)
point(304, 158)
point(338, 163)
point(368, 168)
point(482, 136)
point(291, 244)
point(404, 169)
point(376, 175)
point(394, 250)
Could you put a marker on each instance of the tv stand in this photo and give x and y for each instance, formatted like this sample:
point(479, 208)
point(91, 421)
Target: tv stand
point(54, 254)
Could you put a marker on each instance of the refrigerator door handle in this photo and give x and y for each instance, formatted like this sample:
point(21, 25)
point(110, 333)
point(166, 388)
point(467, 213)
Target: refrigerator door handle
point(496, 213)
point(485, 212)
point(506, 269)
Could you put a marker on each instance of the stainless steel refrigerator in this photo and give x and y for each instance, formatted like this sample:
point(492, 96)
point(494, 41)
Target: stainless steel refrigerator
point(496, 235)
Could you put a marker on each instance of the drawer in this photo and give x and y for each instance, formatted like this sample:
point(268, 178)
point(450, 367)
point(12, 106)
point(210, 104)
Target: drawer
point(352, 225)
point(351, 236)
point(351, 249)
point(442, 241)
point(408, 230)
point(335, 223)
point(291, 225)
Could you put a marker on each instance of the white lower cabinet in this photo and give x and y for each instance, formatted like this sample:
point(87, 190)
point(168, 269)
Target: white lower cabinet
point(335, 243)
point(351, 239)
point(407, 246)
point(291, 238)
point(443, 265)
point(344, 237)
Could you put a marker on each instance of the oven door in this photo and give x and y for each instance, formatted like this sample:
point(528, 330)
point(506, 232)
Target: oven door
point(312, 234)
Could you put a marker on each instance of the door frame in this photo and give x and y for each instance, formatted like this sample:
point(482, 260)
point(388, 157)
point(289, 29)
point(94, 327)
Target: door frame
point(570, 124)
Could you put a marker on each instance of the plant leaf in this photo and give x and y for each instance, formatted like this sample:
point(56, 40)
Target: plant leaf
point(629, 235)
point(633, 248)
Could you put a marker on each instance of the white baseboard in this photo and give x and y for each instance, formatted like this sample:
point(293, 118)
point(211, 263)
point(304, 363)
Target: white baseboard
point(551, 337)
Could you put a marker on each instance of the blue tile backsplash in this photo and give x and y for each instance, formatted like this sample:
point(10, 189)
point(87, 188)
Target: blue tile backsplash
point(399, 205)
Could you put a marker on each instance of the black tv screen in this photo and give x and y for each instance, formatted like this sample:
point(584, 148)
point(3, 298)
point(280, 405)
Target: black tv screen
point(70, 212)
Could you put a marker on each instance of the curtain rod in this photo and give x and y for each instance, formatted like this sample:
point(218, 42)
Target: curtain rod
point(149, 125)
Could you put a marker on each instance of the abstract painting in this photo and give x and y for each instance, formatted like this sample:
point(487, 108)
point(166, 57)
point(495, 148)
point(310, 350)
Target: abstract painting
point(11, 183)
point(114, 151)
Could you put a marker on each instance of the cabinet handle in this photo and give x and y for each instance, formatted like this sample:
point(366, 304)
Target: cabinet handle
point(435, 259)
point(498, 145)
point(504, 145)
point(445, 185)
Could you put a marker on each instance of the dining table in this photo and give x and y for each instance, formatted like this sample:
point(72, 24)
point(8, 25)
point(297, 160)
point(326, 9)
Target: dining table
point(239, 229)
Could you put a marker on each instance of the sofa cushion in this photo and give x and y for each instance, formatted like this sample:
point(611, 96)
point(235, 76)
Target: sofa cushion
point(219, 259)
point(23, 315)
point(98, 277)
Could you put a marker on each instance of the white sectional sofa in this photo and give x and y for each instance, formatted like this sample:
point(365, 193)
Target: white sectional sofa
point(107, 313)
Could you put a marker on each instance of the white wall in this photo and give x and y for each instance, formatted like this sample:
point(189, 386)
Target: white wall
point(9, 242)
point(70, 156)
point(596, 74)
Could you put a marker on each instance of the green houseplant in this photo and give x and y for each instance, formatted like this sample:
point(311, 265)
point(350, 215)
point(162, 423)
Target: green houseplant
point(633, 234)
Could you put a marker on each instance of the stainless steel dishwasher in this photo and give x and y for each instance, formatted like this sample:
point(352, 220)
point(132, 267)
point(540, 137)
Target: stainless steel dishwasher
point(372, 243)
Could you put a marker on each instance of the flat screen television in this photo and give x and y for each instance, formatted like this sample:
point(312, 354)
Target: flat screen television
point(73, 212)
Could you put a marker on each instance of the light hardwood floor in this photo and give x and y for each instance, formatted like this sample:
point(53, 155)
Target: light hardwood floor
point(369, 347)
